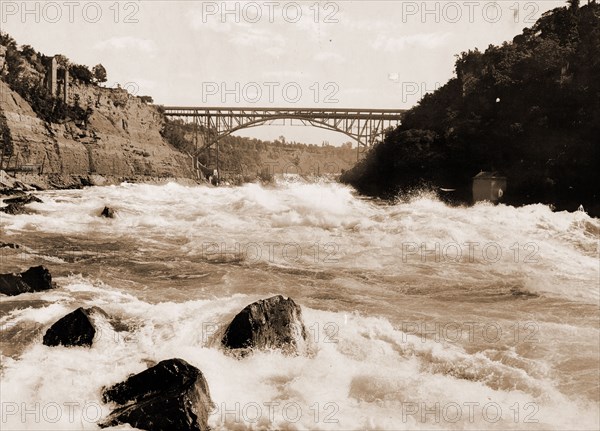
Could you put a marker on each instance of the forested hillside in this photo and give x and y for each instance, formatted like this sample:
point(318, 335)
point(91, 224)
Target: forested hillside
point(529, 109)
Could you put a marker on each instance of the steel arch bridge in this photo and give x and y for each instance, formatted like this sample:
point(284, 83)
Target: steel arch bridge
point(214, 123)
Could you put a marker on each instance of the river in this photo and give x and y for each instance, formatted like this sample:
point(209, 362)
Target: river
point(420, 315)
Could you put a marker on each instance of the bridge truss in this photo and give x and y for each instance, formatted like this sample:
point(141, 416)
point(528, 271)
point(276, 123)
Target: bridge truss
point(365, 126)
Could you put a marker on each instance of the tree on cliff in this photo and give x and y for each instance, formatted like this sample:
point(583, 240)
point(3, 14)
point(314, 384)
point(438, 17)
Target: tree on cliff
point(100, 74)
point(81, 73)
point(62, 60)
point(574, 4)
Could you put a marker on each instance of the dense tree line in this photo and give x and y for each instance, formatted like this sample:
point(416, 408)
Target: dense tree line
point(242, 154)
point(6, 145)
point(529, 109)
point(25, 71)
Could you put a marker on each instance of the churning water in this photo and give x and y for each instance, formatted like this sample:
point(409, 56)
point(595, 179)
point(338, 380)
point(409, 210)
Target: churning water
point(421, 315)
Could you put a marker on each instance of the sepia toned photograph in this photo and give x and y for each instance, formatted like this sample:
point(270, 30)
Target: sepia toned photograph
point(300, 215)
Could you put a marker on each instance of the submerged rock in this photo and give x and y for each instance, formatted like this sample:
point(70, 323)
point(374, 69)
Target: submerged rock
point(15, 209)
point(9, 245)
point(35, 279)
point(108, 212)
point(273, 323)
point(75, 329)
point(23, 186)
point(23, 200)
point(16, 206)
point(172, 395)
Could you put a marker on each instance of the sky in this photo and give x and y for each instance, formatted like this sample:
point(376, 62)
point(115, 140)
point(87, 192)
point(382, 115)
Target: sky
point(329, 54)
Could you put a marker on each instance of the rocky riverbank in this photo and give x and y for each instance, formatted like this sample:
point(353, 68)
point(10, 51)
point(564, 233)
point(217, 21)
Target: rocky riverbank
point(21, 183)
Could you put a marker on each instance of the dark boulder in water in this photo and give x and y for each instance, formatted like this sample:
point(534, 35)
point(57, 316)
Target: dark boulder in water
point(172, 395)
point(13, 284)
point(9, 245)
point(38, 277)
point(273, 323)
point(23, 200)
point(16, 209)
point(35, 279)
point(108, 212)
point(75, 329)
point(16, 206)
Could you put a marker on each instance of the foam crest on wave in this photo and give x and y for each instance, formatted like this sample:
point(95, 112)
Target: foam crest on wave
point(363, 373)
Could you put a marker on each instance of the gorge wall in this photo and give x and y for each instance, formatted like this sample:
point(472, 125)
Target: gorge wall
point(120, 138)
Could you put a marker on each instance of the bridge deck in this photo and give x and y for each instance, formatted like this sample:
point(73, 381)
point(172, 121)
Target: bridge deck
point(252, 112)
point(215, 122)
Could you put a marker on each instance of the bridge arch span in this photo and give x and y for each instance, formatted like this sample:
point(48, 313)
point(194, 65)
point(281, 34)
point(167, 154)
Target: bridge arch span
point(361, 125)
point(312, 122)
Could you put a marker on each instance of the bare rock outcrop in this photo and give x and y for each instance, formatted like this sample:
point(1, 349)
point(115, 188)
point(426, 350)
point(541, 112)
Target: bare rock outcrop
point(16, 206)
point(108, 212)
point(35, 279)
point(77, 328)
point(100, 146)
point(273, 323)
point(172, 395)
point(23, 200)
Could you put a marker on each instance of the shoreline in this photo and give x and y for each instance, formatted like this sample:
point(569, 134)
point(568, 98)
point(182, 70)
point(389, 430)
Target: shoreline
point(27, 182)
point(23, 183)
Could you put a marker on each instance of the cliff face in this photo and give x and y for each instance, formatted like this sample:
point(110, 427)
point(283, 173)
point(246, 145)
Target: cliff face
point(121, 137)
point(91, 131)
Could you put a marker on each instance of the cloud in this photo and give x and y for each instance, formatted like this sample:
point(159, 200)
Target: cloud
point(420, 40)
point(238, 32)
point(147, 46)
point(146, 84)
point(288, 74)
point(355, 91)
point(259, 39)
point(329, 57)
point(254, 36)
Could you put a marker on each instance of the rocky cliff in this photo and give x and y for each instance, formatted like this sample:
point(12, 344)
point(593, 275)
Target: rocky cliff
point(120, 138)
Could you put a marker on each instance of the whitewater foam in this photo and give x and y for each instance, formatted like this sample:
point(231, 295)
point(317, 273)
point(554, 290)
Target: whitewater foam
point(369, 279)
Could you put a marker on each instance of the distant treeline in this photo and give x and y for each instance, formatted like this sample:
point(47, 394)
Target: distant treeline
point(529, 109)
point(251, 158)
